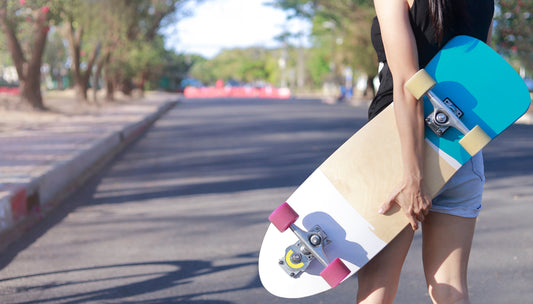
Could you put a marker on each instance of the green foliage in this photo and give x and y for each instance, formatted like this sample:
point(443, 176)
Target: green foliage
point(123, 34)
point(340, 35)
point(138, 49)
point(296, 8)
point(245, 65)
point(25, 17)
point(56, 53)
point(318, 66)
point(5, 57)
point(513, 33)
point(176, 69)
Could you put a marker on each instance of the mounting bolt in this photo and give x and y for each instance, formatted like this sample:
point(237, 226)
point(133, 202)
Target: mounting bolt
point(296, 258)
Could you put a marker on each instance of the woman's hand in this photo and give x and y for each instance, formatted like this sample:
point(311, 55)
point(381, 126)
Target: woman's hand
point(413, 200)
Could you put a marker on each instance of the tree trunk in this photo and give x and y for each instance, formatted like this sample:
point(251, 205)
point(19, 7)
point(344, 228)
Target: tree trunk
point(99, 67)
point(96, 80)
point(86, 76)
point(74, 37)
point(30, 93)
point(127, 86)
point(33, 70)
point(142, 83)
point(29, 72)
point(110, 86)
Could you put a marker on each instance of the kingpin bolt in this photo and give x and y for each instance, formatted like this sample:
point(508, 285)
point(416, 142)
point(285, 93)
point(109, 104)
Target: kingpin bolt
point(315, 240)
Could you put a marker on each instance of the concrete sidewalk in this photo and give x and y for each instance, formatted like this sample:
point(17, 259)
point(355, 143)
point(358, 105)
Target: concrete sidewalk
point(41, 163)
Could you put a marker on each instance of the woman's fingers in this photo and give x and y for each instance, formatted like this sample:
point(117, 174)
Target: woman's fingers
point(387, 205)
point(415, 204)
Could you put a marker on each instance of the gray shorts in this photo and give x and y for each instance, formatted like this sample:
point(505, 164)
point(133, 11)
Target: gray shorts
point(461, 196)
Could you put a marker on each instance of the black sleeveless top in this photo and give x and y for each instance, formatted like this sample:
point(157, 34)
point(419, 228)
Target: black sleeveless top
point(480, 13)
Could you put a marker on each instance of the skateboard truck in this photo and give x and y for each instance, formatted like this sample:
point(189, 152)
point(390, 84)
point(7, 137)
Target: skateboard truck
point(310, 246)
point(446, 114)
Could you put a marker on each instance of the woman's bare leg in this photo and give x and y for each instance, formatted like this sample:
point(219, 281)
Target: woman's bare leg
point(447, 240)
point(379, 278)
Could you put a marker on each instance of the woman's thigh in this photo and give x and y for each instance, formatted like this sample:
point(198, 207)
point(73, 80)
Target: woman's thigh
point(379, 278)
point(447, 240)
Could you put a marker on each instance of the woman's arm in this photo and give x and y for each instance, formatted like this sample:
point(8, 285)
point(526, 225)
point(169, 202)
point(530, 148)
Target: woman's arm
point(402, 58)
point(489, 35)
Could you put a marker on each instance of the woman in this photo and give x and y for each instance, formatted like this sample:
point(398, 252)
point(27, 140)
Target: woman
point(408, 35)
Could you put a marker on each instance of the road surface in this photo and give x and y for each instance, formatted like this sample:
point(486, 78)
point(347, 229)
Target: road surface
point(179, 216)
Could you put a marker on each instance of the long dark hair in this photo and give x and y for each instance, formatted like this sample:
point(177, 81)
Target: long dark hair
point(447, 15)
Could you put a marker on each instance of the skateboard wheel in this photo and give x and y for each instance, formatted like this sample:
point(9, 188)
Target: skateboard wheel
point(283, 217)
point(420, 83)
point(475, 140)
point(335, 272)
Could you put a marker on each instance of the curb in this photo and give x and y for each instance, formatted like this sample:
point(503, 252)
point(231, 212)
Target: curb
point(22, 205)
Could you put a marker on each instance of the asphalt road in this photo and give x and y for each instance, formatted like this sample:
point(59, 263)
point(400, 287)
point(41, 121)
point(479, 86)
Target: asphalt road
point(179, 217)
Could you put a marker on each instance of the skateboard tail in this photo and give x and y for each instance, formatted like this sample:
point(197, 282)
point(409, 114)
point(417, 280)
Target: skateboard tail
point(353, 240)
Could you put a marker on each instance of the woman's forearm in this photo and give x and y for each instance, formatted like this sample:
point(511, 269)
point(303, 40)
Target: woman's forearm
point(410, 121)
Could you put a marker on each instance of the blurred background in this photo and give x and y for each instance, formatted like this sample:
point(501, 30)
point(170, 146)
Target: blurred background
point(98, 48)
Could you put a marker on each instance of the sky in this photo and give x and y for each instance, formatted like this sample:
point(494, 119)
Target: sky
point(218, 24)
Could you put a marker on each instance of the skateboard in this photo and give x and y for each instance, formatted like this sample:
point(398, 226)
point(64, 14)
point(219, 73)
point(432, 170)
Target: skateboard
point(330, 226)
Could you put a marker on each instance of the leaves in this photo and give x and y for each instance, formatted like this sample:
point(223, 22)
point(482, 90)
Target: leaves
point(513, 35)
point(341, 34)
point(123, 34)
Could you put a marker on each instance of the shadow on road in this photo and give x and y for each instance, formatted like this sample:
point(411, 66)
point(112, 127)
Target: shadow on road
point(212, 149)
point(145, 282)
point(510, 154)
point(199, 149)
point(228, 148)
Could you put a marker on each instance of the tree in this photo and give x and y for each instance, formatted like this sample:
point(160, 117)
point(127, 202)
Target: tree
point(25, 26)
point(243, 65)
point(513, 33)
point(81, 23)
point(55, 56)
point(318, 65)
point(175, 69)
point(118, 38)
point(341, 30)
point(141, 20)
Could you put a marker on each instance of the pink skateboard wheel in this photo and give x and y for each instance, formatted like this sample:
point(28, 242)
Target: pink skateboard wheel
point(283, 217)
point(335, 273)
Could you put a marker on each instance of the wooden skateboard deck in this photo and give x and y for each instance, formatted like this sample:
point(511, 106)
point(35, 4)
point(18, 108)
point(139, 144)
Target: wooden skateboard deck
point(344, 194)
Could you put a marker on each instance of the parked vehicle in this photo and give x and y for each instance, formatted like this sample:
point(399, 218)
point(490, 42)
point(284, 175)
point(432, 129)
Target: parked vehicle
point(189, 82)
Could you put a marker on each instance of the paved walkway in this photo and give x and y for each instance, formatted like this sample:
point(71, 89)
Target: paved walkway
point(43, 160)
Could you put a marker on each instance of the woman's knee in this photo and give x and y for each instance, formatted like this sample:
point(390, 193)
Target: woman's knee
point(442, 293)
